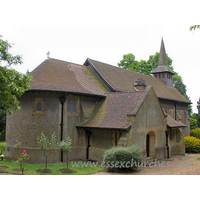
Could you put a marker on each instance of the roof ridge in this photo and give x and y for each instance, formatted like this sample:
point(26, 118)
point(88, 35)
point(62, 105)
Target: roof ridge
point(122, 68)
point(101, 76)
point(124, 92)
point(63, 61)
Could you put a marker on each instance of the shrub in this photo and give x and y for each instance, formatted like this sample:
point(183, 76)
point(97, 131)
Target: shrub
point(2, 135)
point(192, 144)
point(2, 147)
point(193, 123)
point(195, 133)
point(23, 157)
point(120, 158)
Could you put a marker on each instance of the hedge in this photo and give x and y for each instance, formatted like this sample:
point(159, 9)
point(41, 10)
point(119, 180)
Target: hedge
point(121, 158)
point(2, 147)
point(195, 133)
point(192, 144)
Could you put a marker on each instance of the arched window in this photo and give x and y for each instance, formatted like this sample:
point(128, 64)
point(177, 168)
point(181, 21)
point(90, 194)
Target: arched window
point(69, 107)
point(38, 106)
point(72, 105)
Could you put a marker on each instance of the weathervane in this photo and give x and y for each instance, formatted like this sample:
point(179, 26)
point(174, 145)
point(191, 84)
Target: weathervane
point(48, 53)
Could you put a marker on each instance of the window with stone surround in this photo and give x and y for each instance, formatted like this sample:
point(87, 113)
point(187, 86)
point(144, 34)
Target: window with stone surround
point(181, 112)
point(38, 107)
point(172, 113)
point(72, 106)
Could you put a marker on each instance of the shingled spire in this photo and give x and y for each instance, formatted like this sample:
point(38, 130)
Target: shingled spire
point(163, 72)
point(162, 57)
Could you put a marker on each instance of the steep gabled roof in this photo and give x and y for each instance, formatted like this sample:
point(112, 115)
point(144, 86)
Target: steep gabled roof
point(123, 80)
point(57, 75)
point(163, 65)
point(111, 113)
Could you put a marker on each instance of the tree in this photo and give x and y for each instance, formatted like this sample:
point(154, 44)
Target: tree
point(194, 27)
point(146, 67)
point(194, 121)
point(12, 83)
point(2, 124)
point(46, 145)
point(129, 62)
point(143, 67)
point(66, 147)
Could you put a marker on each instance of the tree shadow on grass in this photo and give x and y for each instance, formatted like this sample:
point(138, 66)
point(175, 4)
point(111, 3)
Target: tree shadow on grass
point(69, 171)
point(47, 171)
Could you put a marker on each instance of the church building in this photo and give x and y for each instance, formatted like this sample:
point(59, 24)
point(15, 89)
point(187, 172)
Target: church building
point(100, 106)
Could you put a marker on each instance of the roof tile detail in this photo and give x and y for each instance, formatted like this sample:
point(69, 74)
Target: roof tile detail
point(57, 75)
point(123, 80)
point(112, 112)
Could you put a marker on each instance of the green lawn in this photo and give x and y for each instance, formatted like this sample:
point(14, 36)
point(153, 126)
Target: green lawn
point(55, 168)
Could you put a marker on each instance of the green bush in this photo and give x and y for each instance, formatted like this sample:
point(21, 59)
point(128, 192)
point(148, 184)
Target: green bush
point(195, 133)
point(192, 144)
point(121, 158)
point(2, 135)
point(193, 123)
point(2, 147)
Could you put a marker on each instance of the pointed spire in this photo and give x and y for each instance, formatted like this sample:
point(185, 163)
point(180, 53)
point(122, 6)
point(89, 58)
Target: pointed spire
point(162, 61)
point(163, 65)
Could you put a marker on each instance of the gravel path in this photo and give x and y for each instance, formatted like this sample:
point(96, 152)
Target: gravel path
point(176, 165)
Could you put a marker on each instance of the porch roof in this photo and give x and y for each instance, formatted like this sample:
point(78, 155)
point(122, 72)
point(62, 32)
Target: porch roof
point(111, 113)
point(172, 123)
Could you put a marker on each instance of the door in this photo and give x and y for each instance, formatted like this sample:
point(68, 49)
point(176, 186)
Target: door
point(147, 144)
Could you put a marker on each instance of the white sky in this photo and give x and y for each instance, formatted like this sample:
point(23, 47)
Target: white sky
point(104, 31)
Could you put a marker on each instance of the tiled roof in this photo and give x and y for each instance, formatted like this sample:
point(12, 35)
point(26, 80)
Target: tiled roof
point(111, 113)
point(162, 61)
point(57, 75)
point(162, 69)
point(123, 80)
point(173, 123)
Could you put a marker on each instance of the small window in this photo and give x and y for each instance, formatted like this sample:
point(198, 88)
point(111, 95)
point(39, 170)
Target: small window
point(163, 75)
point(38, 107)
point(69, 106)
point(74, 106)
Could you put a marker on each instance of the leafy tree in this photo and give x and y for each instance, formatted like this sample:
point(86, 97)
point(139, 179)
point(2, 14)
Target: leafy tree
point(143, 67)
point(194, 27)
point(66, 147)
point(194, 121)
point(129, 62)
point(12, 83)
point(198, 115)
point(146, 67)
point(2, 147)
point(2, 123)
point(46, 145)
point(153, 61)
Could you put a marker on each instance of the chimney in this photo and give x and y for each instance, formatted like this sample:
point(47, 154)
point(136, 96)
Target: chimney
point(140, 84)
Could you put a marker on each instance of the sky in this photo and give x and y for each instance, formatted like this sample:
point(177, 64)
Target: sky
point(106, 30)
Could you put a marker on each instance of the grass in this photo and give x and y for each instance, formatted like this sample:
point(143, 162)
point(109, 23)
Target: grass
point(54, 167)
